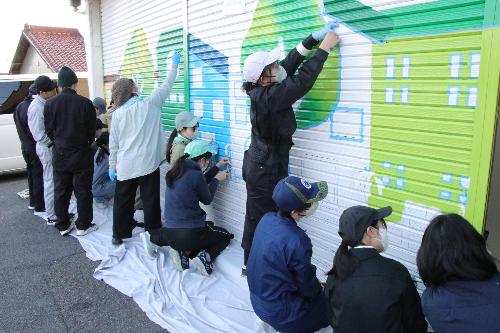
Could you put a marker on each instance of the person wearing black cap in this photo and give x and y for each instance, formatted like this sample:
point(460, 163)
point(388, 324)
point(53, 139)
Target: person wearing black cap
point(70, 122)
point(284, 290)
point(45, 89)
point(273, 87)
point(367, 292)
point(34, 167)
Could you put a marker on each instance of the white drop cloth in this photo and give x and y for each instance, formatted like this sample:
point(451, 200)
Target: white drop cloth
point(179, 302)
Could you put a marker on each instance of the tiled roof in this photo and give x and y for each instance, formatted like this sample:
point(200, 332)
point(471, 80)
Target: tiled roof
point(57, 46)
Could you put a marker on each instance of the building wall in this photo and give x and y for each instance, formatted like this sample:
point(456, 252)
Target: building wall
point(33, 63)
point(399, 115)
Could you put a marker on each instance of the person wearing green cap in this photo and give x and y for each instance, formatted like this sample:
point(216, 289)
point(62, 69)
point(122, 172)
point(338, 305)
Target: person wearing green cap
point(187, 232)
point(186, 130)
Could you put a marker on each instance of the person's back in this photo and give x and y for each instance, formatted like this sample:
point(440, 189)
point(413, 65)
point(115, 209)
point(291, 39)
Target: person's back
point(461, 276)
point(372, 298)
point(464, 306)
point(367, 292)
point(274, 290)
point(21, 121)
point(182, 199)
point(72, 120)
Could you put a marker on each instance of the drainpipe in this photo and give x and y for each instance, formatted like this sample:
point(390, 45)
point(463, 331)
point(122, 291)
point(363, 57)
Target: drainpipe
point(94, 50)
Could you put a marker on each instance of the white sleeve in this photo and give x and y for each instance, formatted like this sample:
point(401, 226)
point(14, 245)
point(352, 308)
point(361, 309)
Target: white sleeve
point(37, 125)
point(114, 134)
point(159, 95)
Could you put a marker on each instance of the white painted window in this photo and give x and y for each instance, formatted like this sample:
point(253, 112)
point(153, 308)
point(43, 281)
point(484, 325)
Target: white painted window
point(389, 67)
point(406, 67)
point(472, 97)
point(218, 109)
point(453, 94)
point(389, 95)
point(455, 64)
point(197, 77)
point(198, 108)
point(404, 95)
point(475, 61)
point(347, 124)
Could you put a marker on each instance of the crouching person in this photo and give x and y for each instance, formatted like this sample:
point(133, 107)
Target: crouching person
point(367, 292)
point(103, 188)
point(187, 232)
point(284, 290)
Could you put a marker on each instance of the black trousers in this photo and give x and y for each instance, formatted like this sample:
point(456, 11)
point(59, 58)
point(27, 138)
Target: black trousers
point(212, 239)
point(123, 208)
point(260, 179)
point(65, 182)
point(34, 169)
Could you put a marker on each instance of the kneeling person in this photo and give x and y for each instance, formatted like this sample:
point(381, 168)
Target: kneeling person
point(284, 289)
point(103, 188)
point(187, 232)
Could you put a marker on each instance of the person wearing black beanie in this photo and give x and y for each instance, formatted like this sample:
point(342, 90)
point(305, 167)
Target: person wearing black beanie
point(70, 123)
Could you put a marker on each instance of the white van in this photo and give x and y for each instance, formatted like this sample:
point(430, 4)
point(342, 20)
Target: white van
point(13, 90)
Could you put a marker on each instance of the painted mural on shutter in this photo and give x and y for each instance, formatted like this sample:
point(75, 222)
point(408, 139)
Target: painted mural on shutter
point(395, 118)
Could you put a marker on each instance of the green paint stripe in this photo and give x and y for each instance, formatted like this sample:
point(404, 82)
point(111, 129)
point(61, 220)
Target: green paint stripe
point(485, 125)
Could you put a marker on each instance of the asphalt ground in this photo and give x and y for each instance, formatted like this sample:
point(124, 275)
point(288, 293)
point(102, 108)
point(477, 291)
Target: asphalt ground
point(46, 282)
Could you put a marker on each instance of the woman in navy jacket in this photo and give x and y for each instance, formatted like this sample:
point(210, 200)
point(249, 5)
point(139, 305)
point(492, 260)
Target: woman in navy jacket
point(462, 279)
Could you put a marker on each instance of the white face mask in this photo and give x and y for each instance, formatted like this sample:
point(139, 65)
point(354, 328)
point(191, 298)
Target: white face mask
point(384, 238)
point(281, 75)
point(311, 210)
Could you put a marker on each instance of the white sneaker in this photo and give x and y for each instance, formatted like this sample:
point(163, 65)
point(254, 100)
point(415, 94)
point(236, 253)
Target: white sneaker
point(31, 207)
point(92, 227)
point(67, 231)
point(51, 222)
point(148, 245)
point(42, 214)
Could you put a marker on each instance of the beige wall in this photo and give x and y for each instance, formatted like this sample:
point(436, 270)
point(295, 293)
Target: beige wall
point(33, 63)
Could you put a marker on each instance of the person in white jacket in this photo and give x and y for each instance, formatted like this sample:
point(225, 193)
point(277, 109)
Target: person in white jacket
point(137, 146)
point(46, 88)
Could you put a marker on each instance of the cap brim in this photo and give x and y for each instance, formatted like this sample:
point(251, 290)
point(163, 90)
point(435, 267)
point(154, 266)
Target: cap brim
point(193, 121)
point(382, 213)
point(273, 56)
point(321, 191)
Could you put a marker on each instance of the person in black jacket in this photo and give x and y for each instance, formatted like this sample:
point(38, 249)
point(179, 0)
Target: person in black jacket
point(461, 276)
point(367, 292)
point(34, 167)
point(273, 87)
point(70, 123)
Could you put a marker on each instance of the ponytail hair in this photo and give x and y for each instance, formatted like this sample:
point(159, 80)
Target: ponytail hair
point(176, 171)
point(344, 263)
point(169, 144)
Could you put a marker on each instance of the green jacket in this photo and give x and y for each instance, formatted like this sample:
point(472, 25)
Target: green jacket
point(177, 150)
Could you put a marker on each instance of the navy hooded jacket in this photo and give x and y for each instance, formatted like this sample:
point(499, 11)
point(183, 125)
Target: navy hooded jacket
point(282, 281)
point(464, 306)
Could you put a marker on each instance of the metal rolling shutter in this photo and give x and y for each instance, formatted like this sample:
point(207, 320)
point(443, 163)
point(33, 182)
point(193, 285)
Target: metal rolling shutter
point(392, 119)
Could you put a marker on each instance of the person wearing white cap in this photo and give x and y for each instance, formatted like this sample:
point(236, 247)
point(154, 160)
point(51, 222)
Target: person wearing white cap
point(186, 130)
point(273, 87)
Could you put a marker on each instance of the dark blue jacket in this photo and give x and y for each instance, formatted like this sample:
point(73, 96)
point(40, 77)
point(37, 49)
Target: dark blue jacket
point(182, 200)
point(464, 306)
point(282, 281)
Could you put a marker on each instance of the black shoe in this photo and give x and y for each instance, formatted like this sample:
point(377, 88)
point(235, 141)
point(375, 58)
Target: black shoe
point(139, 225)
point(244, 270)
point(180, 259)
point(116, 241)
